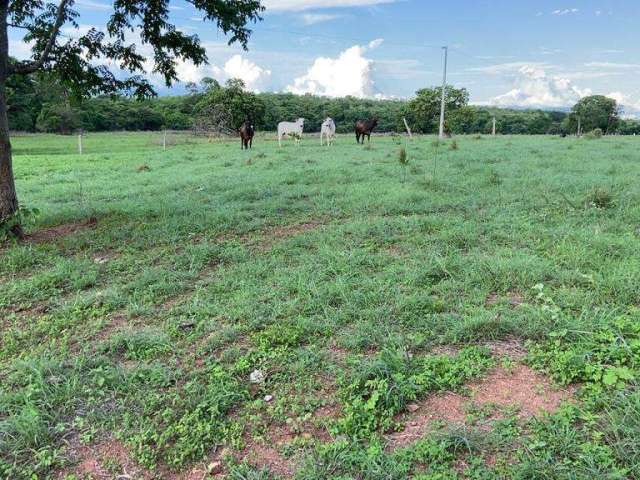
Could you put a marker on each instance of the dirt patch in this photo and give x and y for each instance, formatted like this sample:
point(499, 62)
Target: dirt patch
point(262, 456)
point(116, 321)
point(515, 299)
point(109, 459)
point(52, 234)
point(520, 388)
point(273, 235)
point(510, 347)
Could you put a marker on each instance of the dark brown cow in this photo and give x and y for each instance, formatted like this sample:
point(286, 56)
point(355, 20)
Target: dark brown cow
point(247, 131)
point(364, 129)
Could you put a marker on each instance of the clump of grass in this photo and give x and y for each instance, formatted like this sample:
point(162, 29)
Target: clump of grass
point(403, 160)
point(248, 161)
point(477, 137)
point(494, 178)
point(453, 145)
point(368, 147)
point(594, 134)
point(143, 168)
point(600, 197)
point(435, 143)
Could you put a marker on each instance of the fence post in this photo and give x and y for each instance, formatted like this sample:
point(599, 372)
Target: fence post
point(164, 141)
point(80, 143)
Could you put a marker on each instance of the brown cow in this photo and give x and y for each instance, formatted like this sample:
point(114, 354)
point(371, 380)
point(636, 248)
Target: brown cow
point(364, 129)
point(247, 131)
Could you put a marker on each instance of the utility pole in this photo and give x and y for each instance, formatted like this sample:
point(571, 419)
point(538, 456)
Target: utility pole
point(444, 91)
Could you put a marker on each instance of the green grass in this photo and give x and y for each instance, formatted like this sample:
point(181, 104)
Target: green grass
point(340, 273)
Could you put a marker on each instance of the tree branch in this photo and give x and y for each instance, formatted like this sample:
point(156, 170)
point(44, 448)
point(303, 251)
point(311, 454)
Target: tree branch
point(30, 67)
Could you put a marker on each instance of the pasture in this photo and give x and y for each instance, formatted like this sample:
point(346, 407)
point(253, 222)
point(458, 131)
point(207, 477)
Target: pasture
point(314, 313)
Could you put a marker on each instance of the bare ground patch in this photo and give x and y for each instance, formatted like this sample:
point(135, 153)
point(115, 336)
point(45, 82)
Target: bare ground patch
point(514, 299)
point(272, 235)
point(107, 460)
point(520, 388)
point(52, 234)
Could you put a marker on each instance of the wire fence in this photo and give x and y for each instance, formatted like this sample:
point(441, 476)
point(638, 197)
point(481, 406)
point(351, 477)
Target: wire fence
point(90, 143)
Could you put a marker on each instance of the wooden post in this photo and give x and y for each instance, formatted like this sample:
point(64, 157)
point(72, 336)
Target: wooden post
point(493, 131)
point(80, 143)
point(407, 127)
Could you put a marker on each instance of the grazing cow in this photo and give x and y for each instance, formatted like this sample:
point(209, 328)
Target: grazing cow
point(364, 129)
point(292, 129)
point(328, 131)
point(247, 131)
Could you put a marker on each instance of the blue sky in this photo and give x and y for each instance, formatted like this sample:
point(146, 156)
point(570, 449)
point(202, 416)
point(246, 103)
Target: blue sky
point(545, 53)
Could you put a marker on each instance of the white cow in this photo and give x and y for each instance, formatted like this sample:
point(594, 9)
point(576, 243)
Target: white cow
point(293, 129)
point(328, 131)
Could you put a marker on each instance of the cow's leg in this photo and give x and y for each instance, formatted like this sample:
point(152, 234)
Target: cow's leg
point(251, 142)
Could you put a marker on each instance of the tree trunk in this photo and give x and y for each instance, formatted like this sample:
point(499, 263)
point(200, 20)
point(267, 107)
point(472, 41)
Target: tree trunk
point(8, 197)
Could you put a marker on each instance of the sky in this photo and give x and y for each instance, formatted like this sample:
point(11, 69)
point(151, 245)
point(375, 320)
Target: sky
point(525, 53)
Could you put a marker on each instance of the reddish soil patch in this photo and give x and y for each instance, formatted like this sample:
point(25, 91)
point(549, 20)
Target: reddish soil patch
point(109, 459)
point(531, 392)
point(511, 348)
point(520, 388)
point(54, 233)
point(273, 235)
point(515, 299)
point(269, 457)
point(117, 321)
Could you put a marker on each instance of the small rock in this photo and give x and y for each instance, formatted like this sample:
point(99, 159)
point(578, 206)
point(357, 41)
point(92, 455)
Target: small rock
point(412, 407)
point(256, 376)
point(101, 260)
point(268, 398)
point(214, 468)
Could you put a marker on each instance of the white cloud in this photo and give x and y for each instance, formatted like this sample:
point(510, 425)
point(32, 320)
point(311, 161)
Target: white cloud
point(348, 74)
point(313, 18)
point(505, 68)
point(566, 11)
point(298, 5)
point(92, 5)
point(20, 49)
point(254, 76)
point(612, 65)
point(631, 107)
point(534, 88)
point(71, 32)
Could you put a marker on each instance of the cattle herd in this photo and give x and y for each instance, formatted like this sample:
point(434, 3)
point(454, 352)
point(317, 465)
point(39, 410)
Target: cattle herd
point(363, 128)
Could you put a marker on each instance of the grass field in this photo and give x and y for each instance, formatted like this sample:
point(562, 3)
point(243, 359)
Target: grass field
point(318, 313)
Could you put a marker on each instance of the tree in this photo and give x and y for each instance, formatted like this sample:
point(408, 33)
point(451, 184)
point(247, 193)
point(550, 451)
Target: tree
point(424, 109)
point(77, 61)
point(596, 111)
point(233, 102)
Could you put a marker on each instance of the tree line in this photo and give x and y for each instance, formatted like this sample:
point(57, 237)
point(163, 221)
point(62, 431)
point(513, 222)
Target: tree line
point(40, 104)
